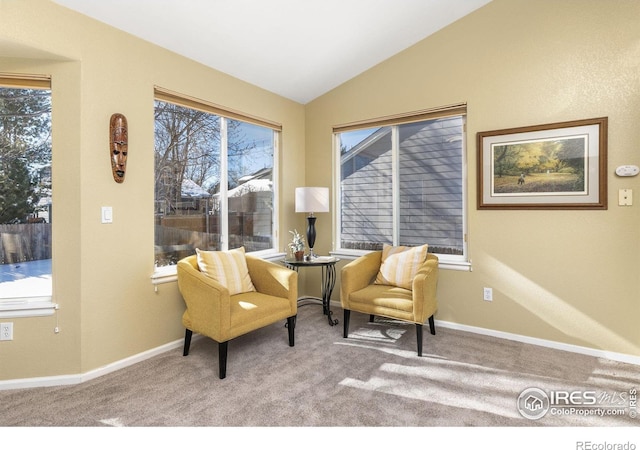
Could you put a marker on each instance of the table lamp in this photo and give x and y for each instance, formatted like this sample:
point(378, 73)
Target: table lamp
point(312, 200)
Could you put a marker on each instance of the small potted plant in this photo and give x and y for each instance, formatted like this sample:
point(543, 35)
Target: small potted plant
point(297, 245)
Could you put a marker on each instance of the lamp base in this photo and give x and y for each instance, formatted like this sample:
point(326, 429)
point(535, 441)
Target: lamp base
point(311, 232)
point(311, 256)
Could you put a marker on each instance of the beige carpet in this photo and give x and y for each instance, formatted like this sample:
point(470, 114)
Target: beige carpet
point(372, 379)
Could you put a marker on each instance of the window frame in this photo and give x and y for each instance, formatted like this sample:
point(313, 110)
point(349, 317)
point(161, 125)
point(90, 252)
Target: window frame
point(29, 305)
point(168, 273)
point(446, 261)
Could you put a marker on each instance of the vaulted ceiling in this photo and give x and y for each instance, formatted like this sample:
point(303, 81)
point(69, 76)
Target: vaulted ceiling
point(295, 48)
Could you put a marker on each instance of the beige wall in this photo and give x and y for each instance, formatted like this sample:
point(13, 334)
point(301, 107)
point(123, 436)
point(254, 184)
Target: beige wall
point(566, 276)
point(108, 307)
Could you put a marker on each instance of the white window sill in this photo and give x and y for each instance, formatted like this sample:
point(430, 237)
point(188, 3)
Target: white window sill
point(166, 274)
point(27, 307)
point(169, 274)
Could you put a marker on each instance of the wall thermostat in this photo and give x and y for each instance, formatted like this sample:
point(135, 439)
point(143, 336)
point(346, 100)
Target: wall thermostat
point(627, 171)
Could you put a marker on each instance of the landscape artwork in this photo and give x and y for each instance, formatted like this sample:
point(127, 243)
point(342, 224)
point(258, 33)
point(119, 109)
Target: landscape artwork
point(553, 166)
point(540, 167)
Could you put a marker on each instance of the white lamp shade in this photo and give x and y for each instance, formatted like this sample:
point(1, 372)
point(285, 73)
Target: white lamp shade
point(312, 199)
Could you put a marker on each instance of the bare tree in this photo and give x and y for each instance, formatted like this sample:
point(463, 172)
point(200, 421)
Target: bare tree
point(188, 147)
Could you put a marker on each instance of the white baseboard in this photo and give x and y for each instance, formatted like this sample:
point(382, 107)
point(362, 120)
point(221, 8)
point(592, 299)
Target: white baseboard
point(622, 357)
point(62, 380)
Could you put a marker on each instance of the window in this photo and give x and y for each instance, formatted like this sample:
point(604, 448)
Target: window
point(214, 179)
point(25, 196)
point(401, 182)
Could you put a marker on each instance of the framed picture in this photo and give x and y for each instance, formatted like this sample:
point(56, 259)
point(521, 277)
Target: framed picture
point(554, 166)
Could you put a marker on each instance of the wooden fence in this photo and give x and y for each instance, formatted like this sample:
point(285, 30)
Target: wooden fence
point(24, 242)
point(174, 243)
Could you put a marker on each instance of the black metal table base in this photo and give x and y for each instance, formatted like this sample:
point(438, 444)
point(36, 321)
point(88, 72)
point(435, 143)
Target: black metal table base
point(328, 283)
point(304, 301)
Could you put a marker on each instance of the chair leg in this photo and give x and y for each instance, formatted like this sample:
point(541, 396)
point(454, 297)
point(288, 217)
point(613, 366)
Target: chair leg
point(291, 325)
point(432, 325)
point(372, 318)
point(187, 342)
point(419, 338)
point(345, 322)
point(222, 358)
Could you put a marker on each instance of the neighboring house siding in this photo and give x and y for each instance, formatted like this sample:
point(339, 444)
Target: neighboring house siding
point(430, 188)
point(366, 195)
point(431, 184)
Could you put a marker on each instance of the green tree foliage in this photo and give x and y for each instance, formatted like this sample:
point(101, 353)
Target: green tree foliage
point(505, 159)
point(17, 196)
point(564, 155)
point(572, 154)
point(25, 151)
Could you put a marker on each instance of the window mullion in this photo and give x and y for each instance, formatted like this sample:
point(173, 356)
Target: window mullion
point(337, 183)
point(276, 194)
point(395, 183)
point(224, 184)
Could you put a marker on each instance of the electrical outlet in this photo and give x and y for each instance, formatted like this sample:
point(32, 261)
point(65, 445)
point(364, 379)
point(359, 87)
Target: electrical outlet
point(625, 197)
point(6, 331)
point(487, 294)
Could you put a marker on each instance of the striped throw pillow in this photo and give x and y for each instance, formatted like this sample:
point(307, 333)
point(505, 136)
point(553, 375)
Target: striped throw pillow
point(229, 268)
point(400, 265)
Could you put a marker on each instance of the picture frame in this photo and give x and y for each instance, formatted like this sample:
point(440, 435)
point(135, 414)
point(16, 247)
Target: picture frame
point(552, 166)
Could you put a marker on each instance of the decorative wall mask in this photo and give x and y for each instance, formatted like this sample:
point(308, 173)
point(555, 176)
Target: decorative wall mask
point(118, 146)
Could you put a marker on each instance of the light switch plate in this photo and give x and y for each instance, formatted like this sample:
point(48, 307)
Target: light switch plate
point(107, 214)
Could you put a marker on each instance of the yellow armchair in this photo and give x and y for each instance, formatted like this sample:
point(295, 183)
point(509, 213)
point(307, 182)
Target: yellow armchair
point(417, 305)
point(212, 312)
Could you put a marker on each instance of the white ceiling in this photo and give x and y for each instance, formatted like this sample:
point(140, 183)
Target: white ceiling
point(295, 48)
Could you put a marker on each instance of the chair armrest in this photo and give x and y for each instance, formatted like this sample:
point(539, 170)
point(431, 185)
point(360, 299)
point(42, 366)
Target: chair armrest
point(424, 287)
point(273, 279)
point(207, 301)
point(358, 274)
